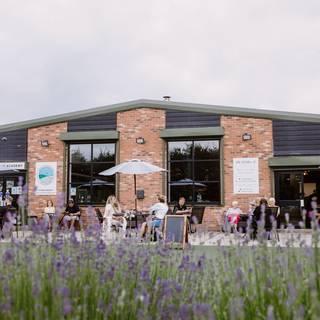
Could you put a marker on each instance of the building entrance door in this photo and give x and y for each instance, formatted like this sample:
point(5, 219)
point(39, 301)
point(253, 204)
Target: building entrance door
point(289, 194)
point(11, 184)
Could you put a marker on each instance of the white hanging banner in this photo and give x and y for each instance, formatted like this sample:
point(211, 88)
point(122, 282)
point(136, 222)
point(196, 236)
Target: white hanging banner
point(46, 178)
point(246, 175)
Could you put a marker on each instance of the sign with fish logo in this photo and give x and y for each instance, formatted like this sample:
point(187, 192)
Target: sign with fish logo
point(46, 178)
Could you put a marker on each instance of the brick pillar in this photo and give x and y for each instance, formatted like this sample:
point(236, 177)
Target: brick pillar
point(37, 153)
point(146, 123)
point(261, 146)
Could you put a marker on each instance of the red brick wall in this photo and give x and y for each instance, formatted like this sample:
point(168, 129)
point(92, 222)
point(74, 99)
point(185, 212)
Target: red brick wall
point(37, 153)
point(146, 123)
point(261, 146)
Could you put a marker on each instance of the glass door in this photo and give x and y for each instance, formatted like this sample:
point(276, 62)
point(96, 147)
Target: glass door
point(289, 195)
point(11, 185)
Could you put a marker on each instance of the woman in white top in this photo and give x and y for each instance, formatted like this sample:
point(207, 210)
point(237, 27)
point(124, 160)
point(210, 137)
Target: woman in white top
point(48, 214)
point(233, 215)
point(158, 212)
point(112, 208)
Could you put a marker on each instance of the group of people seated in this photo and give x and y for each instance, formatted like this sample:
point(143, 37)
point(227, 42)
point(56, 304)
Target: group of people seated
point(157, 213)
point(258, 208)
point(67, 219)
point(111, 217)
point(160, 209)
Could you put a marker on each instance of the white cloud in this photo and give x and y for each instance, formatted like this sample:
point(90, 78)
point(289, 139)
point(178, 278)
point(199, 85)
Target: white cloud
point(59, 56)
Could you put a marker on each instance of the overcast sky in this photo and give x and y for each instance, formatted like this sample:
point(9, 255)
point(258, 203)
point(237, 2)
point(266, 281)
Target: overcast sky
point(65, 55)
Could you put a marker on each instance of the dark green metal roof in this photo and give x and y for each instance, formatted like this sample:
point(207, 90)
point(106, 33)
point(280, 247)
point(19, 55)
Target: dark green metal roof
point(192, 132)
point(166, 105)
point(295, 161)
point(89, 135)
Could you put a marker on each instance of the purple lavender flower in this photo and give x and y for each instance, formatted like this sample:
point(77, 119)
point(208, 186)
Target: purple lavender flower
point(8, 256)
point(203, 311)
point(67, 307)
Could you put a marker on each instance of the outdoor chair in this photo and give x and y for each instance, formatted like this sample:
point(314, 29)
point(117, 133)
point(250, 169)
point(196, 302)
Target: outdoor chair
point(77, 224)
point(18, 222)
point(157, 232)
point(99, 215)
point(295, 217)
point(196, 218)
point(100, 219)
point(243, 223)
point(140, 218)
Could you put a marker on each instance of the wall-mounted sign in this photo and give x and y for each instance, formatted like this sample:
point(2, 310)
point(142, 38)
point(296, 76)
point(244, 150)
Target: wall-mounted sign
point(46, 178)
point(4, 166)
point(16, 190)
point(10, 184)
point(73, 192)
point(246, 175)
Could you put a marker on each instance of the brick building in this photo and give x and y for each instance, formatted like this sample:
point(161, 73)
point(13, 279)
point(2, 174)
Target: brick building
point(213, 154)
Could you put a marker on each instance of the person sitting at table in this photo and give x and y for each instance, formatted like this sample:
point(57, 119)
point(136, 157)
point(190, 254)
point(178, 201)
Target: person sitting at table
point(158, 211)
point(180, 207)
point(233, 215)
point(48, 214)
point(71, 214)
point(109, 217)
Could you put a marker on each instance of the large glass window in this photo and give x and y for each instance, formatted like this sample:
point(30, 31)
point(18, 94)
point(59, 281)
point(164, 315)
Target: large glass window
point(86, 161)
point(194, 171)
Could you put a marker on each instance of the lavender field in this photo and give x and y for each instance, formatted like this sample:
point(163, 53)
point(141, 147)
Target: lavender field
point(89, 279)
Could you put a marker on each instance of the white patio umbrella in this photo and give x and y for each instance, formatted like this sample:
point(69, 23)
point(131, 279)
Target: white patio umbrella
point(134, 166)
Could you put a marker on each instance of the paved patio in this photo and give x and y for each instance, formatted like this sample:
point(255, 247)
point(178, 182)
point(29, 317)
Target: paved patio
point(295, 238)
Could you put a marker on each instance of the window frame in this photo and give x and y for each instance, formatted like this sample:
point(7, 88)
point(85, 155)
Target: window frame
point(91, 163)
point(193, 161)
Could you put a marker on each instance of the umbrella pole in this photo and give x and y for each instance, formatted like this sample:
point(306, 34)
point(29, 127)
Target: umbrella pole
point(135, 191)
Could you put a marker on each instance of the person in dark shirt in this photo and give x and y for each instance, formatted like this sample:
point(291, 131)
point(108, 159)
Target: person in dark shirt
point(260, 212)
point(71, 214)
point(180, 207)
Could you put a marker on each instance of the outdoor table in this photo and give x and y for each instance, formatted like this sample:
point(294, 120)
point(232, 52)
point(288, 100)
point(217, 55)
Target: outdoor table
point(129, 218)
